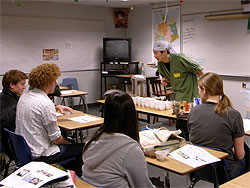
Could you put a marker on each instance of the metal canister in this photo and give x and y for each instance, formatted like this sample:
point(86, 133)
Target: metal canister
point(176, 108)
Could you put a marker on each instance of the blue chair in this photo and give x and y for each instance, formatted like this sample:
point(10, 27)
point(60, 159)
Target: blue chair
point(216, 173)
point(70, 82)
point(19, 148)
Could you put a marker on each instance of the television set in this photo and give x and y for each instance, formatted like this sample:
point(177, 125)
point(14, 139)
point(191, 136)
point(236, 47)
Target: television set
point(117, 49)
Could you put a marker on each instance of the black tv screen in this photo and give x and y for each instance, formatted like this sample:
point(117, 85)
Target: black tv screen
point(116, 50)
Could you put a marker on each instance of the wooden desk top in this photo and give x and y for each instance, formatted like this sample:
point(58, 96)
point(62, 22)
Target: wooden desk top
point(165, 113)
point(178, 167)
point(247, 133)
point(242, 181)
point(64, 122)
point(82, 184)
point(130, 75)
point(74, 93)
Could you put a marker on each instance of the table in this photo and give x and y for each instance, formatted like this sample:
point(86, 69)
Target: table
point(242, 181)
point(75, 93)
point(79, 183)
point(67, 124)
point(172, 165)
point(127, 79)
point(181, 123)
point(151, 111)
point(247, 132)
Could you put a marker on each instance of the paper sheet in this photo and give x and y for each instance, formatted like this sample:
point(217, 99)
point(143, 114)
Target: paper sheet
point(84, 119)
point(193, 156)
point(65, 92)
point(246, 124)
point(58, 114)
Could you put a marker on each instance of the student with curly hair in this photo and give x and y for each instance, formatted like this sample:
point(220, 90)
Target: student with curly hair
point(113, 156)
point(36, 120)
point(215, 123)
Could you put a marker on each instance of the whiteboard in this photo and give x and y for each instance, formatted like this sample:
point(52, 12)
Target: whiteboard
point(221, 46)
point(79, 42)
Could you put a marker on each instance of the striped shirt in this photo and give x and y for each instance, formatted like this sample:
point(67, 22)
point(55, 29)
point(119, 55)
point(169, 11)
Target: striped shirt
point(36, 121)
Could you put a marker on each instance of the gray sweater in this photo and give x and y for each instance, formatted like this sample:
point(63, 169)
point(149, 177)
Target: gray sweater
point(115, 160)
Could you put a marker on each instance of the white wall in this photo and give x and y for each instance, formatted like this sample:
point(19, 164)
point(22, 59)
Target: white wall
point(140, 29)
point(87, 80)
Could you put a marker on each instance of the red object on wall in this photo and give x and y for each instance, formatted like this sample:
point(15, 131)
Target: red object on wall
point(121, 18)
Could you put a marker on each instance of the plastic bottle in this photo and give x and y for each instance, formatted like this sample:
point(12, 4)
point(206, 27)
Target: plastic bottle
point(245, 91)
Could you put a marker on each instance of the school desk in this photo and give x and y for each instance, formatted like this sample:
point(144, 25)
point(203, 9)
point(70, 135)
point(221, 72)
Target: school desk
point(172, 165)
point(247, 132)
point(68, 124)
point(242, 181)
point(75, 93)
point(160, 113)
point(82, 184)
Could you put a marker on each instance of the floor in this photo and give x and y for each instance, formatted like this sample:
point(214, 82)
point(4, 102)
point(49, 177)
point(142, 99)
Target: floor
point(176, 181)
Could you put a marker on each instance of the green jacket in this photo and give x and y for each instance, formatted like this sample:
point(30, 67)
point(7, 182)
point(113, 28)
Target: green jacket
point(182, 76)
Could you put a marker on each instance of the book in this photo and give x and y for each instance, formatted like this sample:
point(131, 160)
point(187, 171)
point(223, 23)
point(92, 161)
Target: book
point(37, 174)
point(168, 144)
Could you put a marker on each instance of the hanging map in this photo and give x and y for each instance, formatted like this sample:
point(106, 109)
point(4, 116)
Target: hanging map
point(166, 25)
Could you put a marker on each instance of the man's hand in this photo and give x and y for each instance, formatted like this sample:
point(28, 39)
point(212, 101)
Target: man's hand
point(62, 108)
point(164, 81)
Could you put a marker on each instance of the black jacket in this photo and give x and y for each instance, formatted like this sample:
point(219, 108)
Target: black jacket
point(8, 103)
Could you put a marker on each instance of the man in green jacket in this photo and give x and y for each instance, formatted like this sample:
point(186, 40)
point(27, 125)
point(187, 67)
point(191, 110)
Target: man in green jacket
point(182, 74)
point(179, 70)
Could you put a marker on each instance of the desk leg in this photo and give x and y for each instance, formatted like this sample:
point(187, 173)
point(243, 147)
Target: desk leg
point(84, 104)
point(167, 180)
point(148, 88)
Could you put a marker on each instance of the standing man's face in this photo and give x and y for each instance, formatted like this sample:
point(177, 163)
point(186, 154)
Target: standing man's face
point(19, 87)
point(160, 56)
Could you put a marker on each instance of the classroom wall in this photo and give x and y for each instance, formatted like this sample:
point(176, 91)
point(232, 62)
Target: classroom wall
point(139, 29)
point(87, 80)
point(142, 39)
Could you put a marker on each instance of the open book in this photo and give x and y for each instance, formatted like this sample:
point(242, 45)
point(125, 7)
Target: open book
point(37, 174)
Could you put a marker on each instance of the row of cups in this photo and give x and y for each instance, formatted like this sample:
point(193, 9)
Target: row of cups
point(152, 103)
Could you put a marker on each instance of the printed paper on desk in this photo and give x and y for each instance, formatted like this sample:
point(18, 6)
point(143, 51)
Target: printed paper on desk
point(65, 92)
point(246, 124)
point(84, 119)
point(193, 156)
point(58, 114)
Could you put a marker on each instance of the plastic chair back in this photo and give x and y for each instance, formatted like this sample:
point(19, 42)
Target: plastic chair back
point(70, 82)
point(20, 149)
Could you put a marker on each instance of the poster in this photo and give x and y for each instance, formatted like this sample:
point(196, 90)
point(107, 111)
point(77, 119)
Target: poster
point(50, 54)
point(121, 18)
point(166, 25)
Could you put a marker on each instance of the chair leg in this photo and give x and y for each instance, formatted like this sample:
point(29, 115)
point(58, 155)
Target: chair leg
point(216, 181)
point(155, 119)
point(193, 182)
point(7, 168)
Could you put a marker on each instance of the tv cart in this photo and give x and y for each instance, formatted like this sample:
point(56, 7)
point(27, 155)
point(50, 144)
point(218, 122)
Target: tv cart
point(111, 69)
